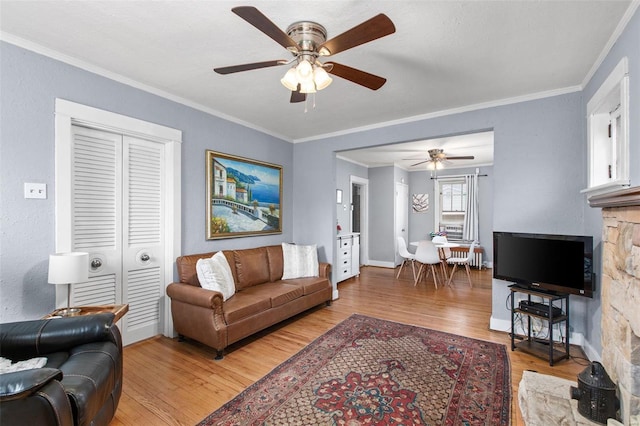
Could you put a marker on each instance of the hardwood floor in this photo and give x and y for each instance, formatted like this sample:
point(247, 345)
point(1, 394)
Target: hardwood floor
point(171, 383)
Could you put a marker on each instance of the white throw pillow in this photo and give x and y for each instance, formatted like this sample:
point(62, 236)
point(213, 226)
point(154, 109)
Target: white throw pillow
point(299, 261)
point(215, 274)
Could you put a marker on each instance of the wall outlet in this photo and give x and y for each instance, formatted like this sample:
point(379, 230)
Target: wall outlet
point(35, 190)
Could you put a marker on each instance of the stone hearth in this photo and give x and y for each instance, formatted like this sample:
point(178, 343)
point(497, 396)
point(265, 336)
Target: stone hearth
point(620, 295)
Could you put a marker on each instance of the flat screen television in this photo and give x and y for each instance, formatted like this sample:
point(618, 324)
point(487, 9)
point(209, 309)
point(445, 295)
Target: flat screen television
point(553, 263)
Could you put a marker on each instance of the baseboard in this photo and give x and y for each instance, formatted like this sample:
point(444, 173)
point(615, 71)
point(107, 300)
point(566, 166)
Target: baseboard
point(574, 338)
point(591, 352)
point(381, 264)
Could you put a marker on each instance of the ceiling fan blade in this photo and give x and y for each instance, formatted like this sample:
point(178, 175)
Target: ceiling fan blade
point(464, 157)
point(248, 67)
point(264, 24)
point(375, 28)
point(422, 162)
point(296, 96)
point(357, 76)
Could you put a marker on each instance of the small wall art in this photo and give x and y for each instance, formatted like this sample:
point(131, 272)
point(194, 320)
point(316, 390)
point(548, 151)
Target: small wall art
point(420, 203)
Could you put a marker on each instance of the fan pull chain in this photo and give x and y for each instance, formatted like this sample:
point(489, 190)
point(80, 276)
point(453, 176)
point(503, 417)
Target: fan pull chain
point(313, 105)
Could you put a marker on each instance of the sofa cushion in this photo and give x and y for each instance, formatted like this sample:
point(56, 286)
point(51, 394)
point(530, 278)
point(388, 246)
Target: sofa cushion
point(214, 273)
point(278, 292)
point(299, 261)
point(252, 267)
point(274, 253)
point(309, 285)
point(244, 305)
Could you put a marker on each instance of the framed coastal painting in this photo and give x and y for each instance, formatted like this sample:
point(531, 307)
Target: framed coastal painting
point(244, 196)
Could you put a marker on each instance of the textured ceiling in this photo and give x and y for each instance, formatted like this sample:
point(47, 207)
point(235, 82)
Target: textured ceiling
point(445, 55)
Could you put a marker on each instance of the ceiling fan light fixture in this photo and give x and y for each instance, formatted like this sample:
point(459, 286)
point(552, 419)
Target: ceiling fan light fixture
point(304, 71)
point(290, 80)
point(321, 78)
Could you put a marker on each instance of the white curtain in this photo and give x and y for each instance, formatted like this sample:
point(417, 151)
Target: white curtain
point(470, 228)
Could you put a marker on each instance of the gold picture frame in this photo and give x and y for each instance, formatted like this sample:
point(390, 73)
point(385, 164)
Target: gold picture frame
point(244, 196)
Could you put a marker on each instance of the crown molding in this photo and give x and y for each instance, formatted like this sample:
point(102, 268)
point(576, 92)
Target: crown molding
point(443, 113)
point(78, 63)
point(612, 40)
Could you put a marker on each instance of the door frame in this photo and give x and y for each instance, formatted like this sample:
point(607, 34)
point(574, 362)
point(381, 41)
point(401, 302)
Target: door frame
point(364, 215)
point(68, 114)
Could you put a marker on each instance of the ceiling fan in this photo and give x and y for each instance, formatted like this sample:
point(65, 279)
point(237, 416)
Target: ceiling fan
point(307, 41)
point(438, 156)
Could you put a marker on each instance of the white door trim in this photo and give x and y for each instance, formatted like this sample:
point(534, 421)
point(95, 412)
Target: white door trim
point(69, 113)
point(401, 218)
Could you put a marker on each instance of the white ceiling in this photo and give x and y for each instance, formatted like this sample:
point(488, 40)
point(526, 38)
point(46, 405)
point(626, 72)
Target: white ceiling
point(444, 56)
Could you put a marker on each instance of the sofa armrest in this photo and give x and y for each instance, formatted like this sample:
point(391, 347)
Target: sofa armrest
point(28, 339)
point(193, 295)
point(324, 270)
point(34, 397)
point(20, 384)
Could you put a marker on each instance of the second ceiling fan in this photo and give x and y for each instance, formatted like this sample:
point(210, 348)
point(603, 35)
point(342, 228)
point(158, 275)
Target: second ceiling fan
point(307, 42)
point(437, 156)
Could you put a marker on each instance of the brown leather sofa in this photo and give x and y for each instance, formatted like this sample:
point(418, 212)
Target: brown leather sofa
point(81, 382)
point(262, 298)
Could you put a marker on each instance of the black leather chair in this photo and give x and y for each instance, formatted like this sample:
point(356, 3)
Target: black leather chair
point(81, 382)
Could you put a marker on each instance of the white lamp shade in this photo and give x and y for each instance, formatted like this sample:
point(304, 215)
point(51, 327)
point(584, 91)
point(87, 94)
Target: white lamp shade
point(305, 71)
point(68, 268)
point(290, 80)
point(321, 78)
point(307, 87)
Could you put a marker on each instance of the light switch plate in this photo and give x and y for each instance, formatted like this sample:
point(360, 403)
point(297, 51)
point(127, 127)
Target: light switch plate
point(35, 190)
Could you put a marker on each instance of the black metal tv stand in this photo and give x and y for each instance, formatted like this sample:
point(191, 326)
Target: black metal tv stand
point(543, 348)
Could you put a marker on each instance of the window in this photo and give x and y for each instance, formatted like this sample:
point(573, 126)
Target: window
point(451, 208)
point(608, 133)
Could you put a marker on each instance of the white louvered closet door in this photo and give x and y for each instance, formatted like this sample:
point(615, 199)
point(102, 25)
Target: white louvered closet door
point(117, 211)
point(96, 214)
point(143, 245)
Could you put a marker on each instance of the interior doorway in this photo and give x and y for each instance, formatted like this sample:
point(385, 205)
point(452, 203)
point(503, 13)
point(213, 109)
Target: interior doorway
point(359, 188)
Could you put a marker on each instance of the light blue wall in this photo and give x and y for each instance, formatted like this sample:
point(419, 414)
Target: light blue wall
point(29, 84)
point(538, 172)
point(381, 206)
point(539, 168)
point(627, 45)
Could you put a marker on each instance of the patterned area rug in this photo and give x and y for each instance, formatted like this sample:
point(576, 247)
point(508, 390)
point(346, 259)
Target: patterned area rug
point(376, 372)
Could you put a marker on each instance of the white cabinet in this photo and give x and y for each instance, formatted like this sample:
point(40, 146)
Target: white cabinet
point(348, 256)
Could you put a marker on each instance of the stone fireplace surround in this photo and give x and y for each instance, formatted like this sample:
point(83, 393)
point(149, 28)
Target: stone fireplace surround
point(620, 295)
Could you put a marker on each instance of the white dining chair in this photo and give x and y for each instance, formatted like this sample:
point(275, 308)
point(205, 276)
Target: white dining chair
point(407, 256)
point(427, 256)
point(455, 261)
point(444, 252)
